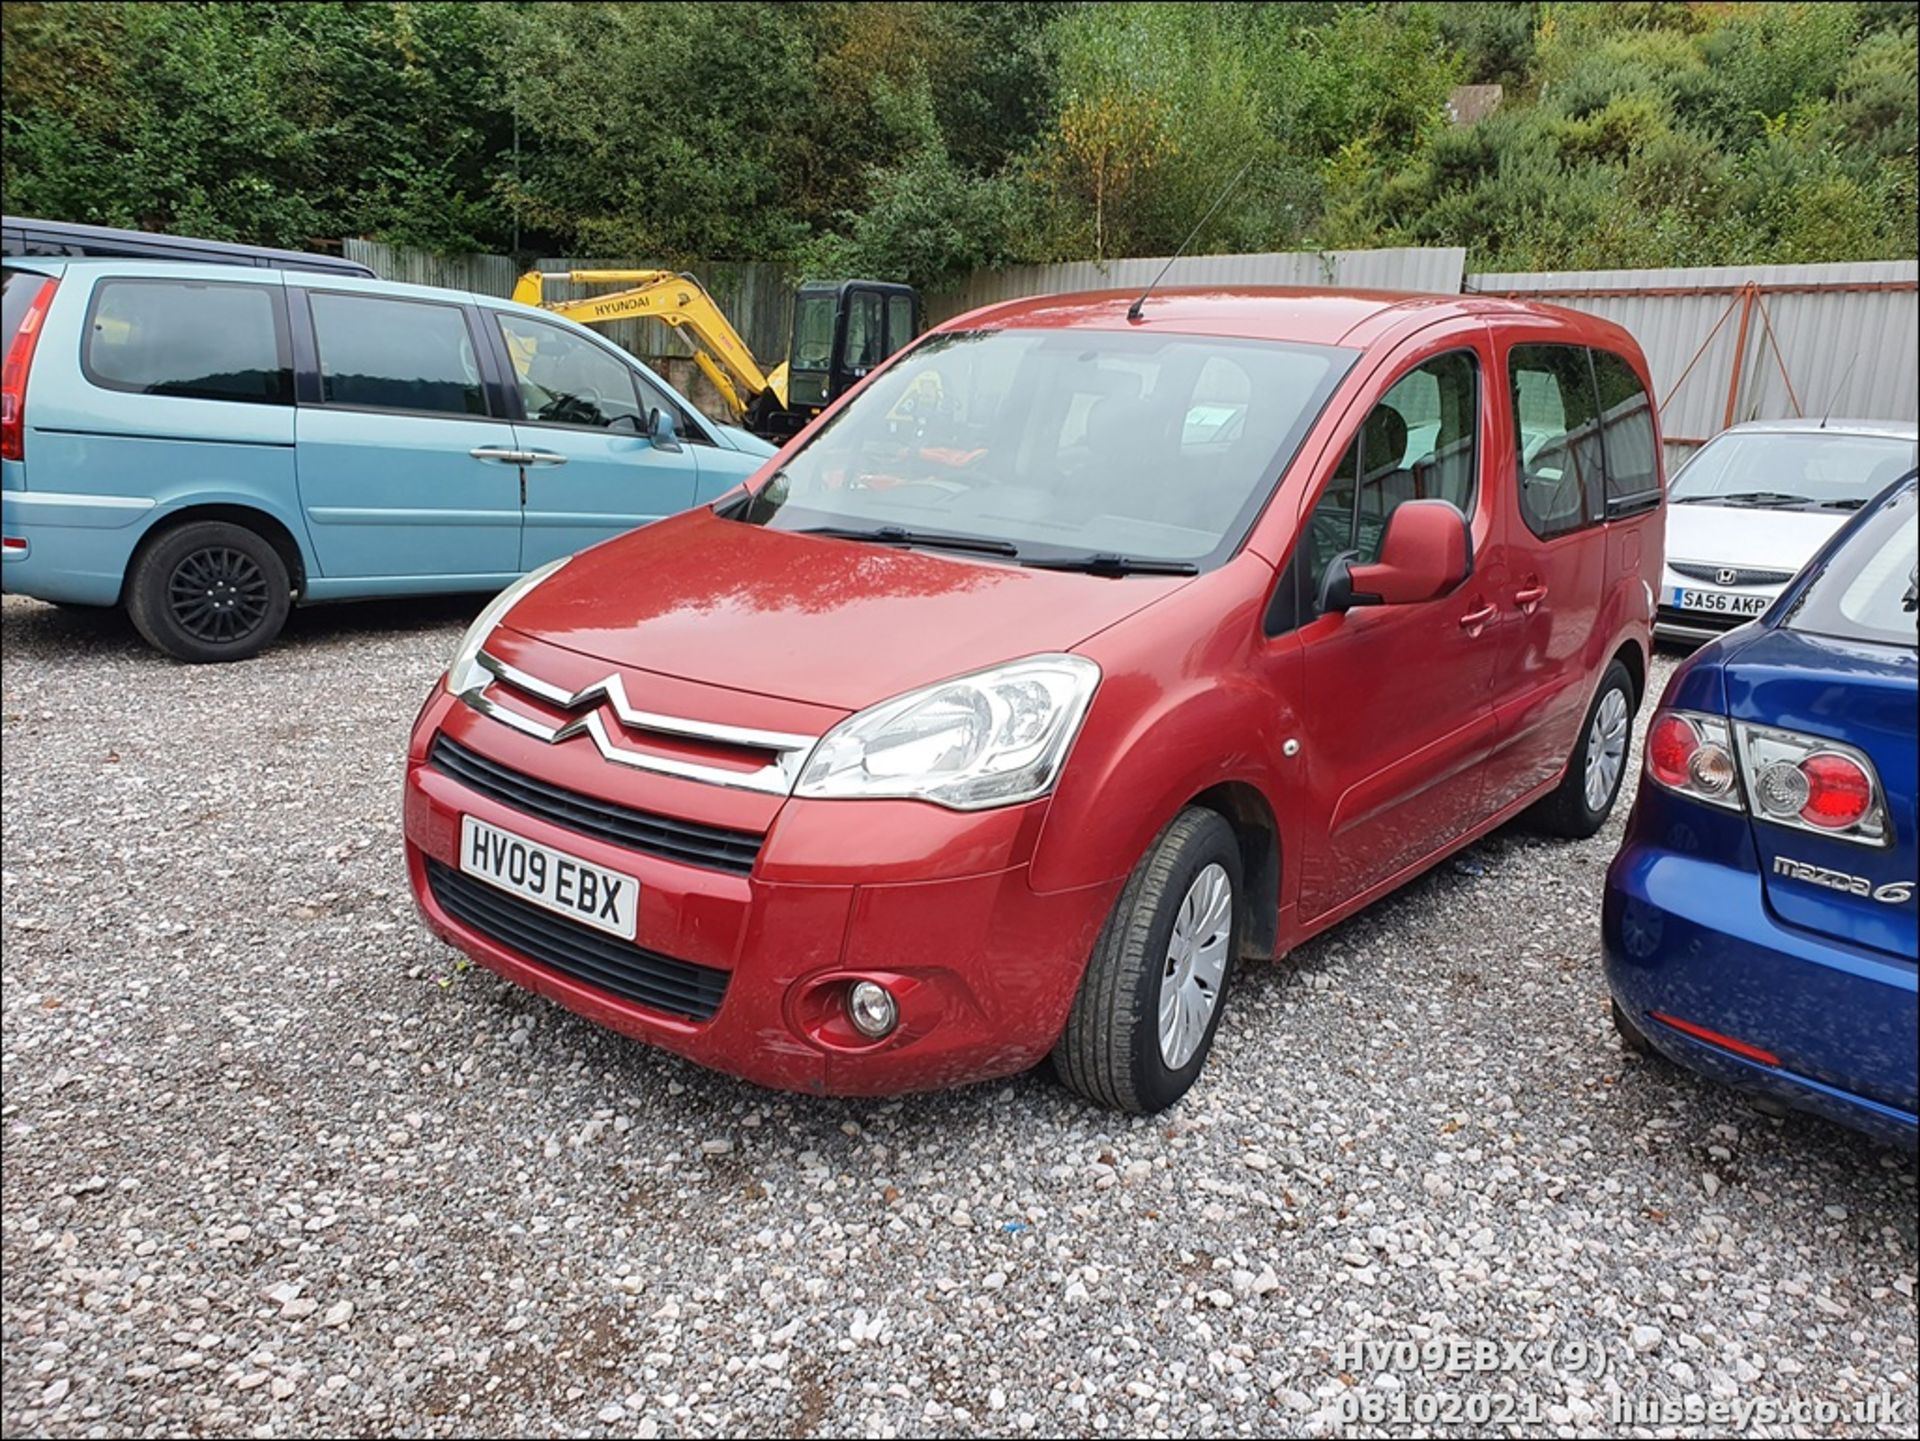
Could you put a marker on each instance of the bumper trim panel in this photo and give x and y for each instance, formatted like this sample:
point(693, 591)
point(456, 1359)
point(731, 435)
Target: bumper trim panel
point(615, 967)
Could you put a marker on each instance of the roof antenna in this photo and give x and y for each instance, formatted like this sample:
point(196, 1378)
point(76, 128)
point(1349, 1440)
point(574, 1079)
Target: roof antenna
point(1133, 310)
point(1834, 399)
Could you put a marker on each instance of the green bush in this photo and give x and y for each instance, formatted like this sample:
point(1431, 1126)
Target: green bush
point(919, 140)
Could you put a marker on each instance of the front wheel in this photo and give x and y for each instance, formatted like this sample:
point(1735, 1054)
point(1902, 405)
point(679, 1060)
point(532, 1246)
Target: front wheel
point(1584, 799)
point(209, 591)
point(1150, 1001)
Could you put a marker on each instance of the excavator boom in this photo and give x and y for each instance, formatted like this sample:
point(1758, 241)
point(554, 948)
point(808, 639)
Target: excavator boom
point(678, 300)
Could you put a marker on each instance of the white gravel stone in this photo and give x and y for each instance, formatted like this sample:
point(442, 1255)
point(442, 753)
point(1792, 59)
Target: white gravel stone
point(234, 1080)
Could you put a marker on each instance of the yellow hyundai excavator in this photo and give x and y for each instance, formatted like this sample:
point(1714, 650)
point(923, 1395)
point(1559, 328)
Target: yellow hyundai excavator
point(841, 330)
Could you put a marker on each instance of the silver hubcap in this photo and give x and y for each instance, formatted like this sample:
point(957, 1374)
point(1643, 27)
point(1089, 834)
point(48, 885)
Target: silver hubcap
point(1606, 749)
point(1196, 965)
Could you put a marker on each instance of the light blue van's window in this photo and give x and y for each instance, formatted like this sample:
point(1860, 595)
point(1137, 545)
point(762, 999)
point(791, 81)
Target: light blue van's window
point(566, 380)
point(201, 340)
point(386, 354)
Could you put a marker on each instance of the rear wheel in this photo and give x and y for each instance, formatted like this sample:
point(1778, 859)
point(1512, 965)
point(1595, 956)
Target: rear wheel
point(1149, 1004)
point(1580, 805)
point(209, 591)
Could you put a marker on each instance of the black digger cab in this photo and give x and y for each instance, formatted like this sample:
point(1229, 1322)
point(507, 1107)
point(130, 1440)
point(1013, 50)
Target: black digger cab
point(841, 330)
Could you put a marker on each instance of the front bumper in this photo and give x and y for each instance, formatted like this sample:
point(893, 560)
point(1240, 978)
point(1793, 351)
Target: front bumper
point(983, 967)
point(1692, 938)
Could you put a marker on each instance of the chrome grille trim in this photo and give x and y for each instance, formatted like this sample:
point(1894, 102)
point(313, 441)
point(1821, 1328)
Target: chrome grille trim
point(777, 777)
point(1742, 575)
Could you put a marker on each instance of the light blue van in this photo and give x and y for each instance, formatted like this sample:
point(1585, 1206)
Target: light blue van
point(208, 444)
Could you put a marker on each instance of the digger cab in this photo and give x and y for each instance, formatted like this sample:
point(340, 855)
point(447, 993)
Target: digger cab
point(841, 330)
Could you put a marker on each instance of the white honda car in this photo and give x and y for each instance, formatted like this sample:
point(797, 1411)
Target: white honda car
point(1752, 505)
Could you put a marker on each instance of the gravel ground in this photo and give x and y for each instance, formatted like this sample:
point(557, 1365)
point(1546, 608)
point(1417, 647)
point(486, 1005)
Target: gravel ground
point(274, 1165)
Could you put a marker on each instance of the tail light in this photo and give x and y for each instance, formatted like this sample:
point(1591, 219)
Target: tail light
point(1804, 782)
point(1810, 783)
point(1693, 754)
point(13, 376)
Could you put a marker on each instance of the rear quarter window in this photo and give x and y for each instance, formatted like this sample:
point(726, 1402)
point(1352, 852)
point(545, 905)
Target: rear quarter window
point(1626, 436)
point(192, 339)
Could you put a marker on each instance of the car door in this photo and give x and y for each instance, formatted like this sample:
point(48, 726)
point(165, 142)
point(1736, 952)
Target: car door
point(403, 471)
point(1554, 506)
point(592, 471)
point(1396, 700)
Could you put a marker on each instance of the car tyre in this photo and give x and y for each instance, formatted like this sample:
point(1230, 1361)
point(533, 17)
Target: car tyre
point(1130, 1043)
point(209, 591)
point(1631, 1036)
point(1597, 769)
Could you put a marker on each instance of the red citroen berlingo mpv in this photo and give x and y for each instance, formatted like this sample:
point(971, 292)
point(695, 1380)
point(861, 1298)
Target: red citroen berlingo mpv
point(1070, 659)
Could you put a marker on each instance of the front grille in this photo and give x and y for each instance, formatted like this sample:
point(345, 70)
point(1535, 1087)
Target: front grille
point(1693, 570)
point(604, 962)
point(689, 841)
point(1700, 619)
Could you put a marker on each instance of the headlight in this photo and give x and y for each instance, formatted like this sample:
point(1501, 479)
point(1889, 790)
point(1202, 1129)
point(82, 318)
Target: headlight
point(465, 672)
point(993, 738)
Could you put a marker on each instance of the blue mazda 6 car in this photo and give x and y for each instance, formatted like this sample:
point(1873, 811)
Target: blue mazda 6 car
point(1760, 921)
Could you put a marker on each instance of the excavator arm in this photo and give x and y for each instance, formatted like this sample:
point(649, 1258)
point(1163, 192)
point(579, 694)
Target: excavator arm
point(678, 300)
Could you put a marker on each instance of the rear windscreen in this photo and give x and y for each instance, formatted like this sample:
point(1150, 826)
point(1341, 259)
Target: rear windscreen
point(1870, 590)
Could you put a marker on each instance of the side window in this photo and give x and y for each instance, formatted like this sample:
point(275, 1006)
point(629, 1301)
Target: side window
point(384, 354)
point(864, 347)
point(1421, 442)
point(1626, 434)
point(200, 340)
point(567, 380)
point(899, 321)
point(1557, 435)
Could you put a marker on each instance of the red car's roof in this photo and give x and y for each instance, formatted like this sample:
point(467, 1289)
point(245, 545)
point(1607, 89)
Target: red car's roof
point(1309, 315)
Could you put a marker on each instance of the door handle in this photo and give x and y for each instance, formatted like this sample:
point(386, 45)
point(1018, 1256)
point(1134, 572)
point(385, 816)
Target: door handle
point(502, 455)
point(1474, 619)
point(1530, 597)
point(542, 457)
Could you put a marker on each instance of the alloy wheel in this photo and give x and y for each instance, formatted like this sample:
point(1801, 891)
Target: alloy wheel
point(218, 594)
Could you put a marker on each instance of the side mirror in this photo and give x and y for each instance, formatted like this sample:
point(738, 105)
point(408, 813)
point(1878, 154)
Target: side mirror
point(661, 430)
point(1426, 552)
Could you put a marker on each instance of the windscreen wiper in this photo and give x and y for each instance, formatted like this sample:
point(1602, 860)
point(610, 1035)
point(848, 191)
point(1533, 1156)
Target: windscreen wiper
point(1106, 562)
point(1843, 503)
point(1748, 497)
point(931, 539)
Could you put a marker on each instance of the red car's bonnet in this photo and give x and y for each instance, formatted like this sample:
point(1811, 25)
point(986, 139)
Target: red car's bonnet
point(833, 622)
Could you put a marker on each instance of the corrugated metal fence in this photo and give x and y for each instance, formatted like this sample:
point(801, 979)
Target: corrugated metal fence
point(1726, 343)
point(1755, 342)
point(1439, 269)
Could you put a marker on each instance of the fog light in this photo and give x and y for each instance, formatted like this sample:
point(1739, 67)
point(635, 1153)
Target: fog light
point(871, 1009)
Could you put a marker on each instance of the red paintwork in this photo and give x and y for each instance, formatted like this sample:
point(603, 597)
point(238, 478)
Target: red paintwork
point(1421, 725)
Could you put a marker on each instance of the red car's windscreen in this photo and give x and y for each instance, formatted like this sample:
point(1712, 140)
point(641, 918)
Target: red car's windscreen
point(1063, 442)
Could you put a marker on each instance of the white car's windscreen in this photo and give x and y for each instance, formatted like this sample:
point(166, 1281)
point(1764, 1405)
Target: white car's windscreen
point(1789, 470)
